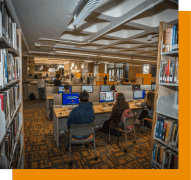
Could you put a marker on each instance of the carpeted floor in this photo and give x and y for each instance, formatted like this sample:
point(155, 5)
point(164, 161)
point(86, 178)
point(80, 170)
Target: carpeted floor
point(41, 150)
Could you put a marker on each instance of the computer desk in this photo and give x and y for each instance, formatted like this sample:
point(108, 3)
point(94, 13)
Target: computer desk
point(60, 116)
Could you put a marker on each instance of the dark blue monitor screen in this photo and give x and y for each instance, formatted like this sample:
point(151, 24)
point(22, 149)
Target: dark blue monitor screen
point(70, 98)
point(139, 94)
point(106, 96)
point(61, 89)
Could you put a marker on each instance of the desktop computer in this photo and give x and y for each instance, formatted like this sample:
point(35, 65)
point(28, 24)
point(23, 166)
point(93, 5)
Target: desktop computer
point(105, 88)
point(70, 99)
point(137, 96)
point(61, 89)
point(88, 88)
point(106, 96)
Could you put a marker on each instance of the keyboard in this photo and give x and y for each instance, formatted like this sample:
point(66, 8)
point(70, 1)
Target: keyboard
point(106, 108)
point(68, 111)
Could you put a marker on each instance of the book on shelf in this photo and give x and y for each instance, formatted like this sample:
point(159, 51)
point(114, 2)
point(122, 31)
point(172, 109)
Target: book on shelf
point(8, 29)
point(9, 68)
point(170, 39)
point(10, 98)
point(167, 131)
point(164, 158)
point(169, 71)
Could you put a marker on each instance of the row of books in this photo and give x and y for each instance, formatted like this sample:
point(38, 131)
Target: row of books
point(8, 29)
point(169, 71)
point(10, 140)
point(170, 39)
point(164, 158)
point(9, 68)
point(10, 99)
point(167, 131)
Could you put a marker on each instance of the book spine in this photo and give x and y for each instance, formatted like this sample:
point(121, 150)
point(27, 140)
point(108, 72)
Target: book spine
point(176, 38)
point(173, 135)
point(170, 132)
point(173, 37)
point(157, 128)
point(164, 41)
point(6, 70)
point(168, 71)
point(154, 155)
point(161, 72)
point(164, 131)
point(161, 127)
point(2, 102)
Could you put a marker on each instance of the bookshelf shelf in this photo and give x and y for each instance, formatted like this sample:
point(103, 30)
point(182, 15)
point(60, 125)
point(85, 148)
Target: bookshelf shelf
point(9, 84)
point(172, 53)
point(5, 45)
point(16, 110)
point(162, 142)
point(172, 115)
point(169, 84)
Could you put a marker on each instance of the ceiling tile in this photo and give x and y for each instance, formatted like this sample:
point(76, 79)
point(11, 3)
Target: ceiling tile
point(154, 21)
point(118, 8)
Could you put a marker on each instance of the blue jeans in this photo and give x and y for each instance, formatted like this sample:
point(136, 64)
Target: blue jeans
point(41, 93)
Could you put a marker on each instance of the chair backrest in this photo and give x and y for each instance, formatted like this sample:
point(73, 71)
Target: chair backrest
point(57, 99)
point(128, 121)
point(128, 117)
point(82, 129)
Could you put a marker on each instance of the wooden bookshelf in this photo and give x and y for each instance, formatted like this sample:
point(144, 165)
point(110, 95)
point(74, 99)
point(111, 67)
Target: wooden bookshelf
point(168, 90)
point(18, 108)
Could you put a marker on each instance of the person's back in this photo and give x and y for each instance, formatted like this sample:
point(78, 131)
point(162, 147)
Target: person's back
point(84, 113)
point(40, 83)
point(57, 82)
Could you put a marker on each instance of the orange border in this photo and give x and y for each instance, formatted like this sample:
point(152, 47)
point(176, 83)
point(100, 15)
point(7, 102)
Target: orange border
point(184, 138)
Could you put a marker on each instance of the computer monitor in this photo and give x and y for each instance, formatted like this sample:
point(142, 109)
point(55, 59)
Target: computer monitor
point(70, 98)
point(106, 96)
point(153, 86)
point(136, 87)
point(139, 94)
point(61, 89)
point(88, 88)
point(105, 88)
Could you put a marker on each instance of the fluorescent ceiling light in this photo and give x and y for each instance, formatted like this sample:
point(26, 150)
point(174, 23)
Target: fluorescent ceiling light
point(84, 10)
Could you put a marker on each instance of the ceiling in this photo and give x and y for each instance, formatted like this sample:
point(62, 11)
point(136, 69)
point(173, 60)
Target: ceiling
point(115, 31)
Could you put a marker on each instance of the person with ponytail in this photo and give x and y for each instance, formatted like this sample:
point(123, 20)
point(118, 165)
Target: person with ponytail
point(116, 114)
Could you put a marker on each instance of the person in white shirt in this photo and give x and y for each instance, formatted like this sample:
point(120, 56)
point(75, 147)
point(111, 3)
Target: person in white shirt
point(40, 85)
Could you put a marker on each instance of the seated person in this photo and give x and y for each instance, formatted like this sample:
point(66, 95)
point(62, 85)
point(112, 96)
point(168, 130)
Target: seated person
point(67, 87)
point(116, 115)
point(57, 81)
point(83, 114)
point(149, 103)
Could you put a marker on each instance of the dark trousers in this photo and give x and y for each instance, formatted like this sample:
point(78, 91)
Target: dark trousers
point(41, 93)
point(145, 114)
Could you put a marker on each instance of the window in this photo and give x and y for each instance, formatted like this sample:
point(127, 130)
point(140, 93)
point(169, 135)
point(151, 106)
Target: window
point(146, 69)
point(105, 71)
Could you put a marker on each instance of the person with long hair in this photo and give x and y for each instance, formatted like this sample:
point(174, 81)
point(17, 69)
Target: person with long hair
point(116, 114)
point(148, 113)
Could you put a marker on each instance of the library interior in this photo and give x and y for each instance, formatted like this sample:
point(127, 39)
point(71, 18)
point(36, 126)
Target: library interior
point(89, 84)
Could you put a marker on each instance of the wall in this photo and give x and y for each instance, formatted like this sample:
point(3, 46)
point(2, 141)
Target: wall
point(133, 70)
point(91, 67)
point(101, 68)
